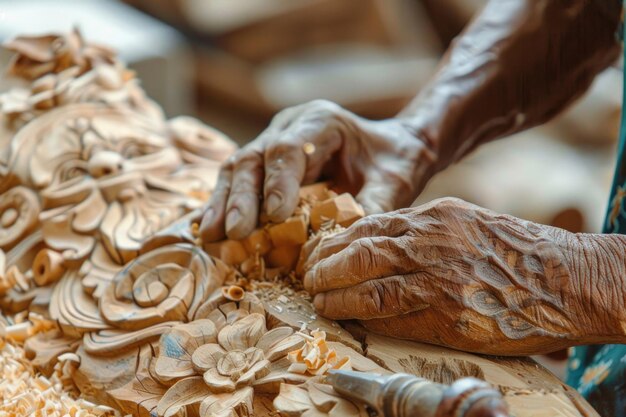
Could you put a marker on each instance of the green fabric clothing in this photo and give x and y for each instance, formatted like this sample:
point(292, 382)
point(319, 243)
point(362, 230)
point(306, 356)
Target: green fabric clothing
point(599, 372)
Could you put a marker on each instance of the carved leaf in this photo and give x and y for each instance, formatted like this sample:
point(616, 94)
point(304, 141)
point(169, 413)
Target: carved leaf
point(177, 346)
point(315, 400)
point(98, 271)
point(293, 400)
point(142, 393)
point(236, 404)
point(206, 357)
point(45, 348)
point(326, 400)
point(244, 333)
point(278, 342)
point(185, 392)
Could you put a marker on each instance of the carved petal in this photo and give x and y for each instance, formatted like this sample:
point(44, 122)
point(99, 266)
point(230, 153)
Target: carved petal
point(218, 383)
point(238, 404)
point(183, 393)
point(277, 343)
point(242, 334)
point(278, 374)
point(218, 308)
point(177, 346)
point(257, 371)
point(270, 338)
point(206, 357)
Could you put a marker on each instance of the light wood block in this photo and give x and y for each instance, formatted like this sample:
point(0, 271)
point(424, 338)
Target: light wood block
point(293, 231)
point(258, 241)
point(231, 252)
point(343, 209)
point(285, 256)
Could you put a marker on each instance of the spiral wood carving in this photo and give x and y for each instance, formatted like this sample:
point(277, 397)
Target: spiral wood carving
point(150, 291)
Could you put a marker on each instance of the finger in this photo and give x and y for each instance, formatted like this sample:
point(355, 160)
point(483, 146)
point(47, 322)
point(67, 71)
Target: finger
point(212, 226)
point(285, 163)
point(380, 298)
point(379, 193)
point(426, 325)
point(365, 259)
point(390, 224)
point(242, 209)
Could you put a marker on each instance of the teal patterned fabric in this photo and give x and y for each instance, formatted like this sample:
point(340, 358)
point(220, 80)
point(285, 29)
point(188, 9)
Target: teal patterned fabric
point(599, 372)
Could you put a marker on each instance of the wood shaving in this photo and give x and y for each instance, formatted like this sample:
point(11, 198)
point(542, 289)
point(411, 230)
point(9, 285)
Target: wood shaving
point(316, 357)
point(24, 392)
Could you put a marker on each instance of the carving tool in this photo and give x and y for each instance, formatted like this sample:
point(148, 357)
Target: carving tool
point(404, 395)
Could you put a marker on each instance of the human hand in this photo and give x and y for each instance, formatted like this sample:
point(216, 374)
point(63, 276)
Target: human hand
point(454, 274)
point(383, 163)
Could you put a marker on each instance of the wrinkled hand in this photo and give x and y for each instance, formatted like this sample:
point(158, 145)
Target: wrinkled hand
point(383, 163)
point(454, 274)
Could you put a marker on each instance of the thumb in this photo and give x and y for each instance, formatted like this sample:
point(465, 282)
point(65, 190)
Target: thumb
point(378, 194)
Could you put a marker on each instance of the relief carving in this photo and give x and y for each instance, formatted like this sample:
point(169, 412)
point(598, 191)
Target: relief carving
point(100, 198)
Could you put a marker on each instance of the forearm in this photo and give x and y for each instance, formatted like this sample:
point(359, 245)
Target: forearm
point(516, 66)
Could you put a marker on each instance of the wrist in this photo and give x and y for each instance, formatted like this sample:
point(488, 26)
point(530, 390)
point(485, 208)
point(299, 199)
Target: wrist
point(599, 265)
point(426, 157)
point(431, 140)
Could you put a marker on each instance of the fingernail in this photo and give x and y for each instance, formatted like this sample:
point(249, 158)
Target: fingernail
point(273, 203)
point(233, 219)
point(319, 302)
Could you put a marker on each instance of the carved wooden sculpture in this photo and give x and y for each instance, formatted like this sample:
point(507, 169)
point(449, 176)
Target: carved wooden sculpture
point(99, 201)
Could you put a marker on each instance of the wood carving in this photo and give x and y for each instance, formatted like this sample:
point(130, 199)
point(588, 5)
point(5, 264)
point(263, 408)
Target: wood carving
point(100, 259)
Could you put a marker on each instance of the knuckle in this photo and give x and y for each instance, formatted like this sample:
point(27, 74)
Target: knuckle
point(368, 224)
point(323, 104)
point(323, 110)
point(281, 147)
point(376, 302)
point(246, 157)
point(364, 253)
point(228, 165)
point(282, 118)
point(449, 202)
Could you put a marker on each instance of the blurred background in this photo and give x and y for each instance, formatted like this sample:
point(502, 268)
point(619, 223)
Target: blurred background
point(234, 63)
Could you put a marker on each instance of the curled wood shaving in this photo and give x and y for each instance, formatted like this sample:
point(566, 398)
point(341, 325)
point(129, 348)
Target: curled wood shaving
point(316, 357)
point(23, 392)
point(21, 328)
point(233, 293)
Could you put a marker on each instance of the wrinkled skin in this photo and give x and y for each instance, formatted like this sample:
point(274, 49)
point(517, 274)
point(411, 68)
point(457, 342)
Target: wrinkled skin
point(448, 273)
point(381, 162)
point(455, 274)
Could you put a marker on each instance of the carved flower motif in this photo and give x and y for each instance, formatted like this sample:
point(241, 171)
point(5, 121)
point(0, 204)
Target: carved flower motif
point(234, 361)
point(227, 359)
point(39, 55)
point(64, 70)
